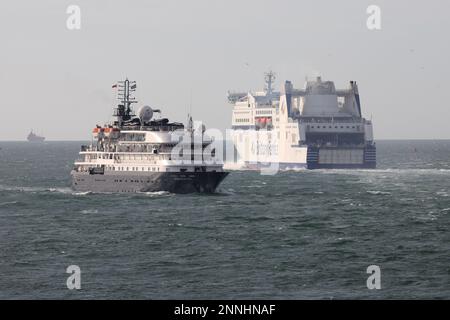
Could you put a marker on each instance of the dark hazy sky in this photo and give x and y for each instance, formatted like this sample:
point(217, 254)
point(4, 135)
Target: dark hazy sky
point(58, 81)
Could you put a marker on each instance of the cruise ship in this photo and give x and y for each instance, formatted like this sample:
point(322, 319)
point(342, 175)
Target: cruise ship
point(143, 153)
point(315, 127)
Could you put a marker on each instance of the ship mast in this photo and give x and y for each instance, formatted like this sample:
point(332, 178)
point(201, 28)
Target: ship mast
point(125, 92)
point(269, 77)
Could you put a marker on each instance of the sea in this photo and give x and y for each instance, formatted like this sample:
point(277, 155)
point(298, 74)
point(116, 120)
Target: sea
point(308, 234)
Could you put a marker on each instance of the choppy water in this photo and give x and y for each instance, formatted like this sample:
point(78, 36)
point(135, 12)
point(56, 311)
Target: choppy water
point(307, 234)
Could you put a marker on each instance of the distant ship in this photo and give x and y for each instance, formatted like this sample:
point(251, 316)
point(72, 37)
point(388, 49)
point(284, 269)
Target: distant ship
point(32, 137)
point(137, 153)
point(316, 127)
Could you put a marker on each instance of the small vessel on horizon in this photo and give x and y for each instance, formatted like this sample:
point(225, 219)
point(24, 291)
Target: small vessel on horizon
point(32, 137)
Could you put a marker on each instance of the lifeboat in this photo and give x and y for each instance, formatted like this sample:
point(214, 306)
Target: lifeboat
point(107, 132)
point(114, 134)
point(96, 132)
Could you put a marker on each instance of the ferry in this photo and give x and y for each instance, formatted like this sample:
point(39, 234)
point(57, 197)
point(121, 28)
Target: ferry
point(315, 127)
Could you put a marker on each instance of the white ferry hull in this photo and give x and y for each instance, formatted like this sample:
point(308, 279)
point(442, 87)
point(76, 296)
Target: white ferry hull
point(342, 158)
point(308, 158)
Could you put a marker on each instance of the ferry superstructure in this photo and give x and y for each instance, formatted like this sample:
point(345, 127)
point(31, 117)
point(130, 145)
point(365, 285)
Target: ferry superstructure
point(315, 127)
point(136, 154)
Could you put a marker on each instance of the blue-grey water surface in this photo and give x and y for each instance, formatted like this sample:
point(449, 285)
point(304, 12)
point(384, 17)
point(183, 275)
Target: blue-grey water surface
point(294, 235)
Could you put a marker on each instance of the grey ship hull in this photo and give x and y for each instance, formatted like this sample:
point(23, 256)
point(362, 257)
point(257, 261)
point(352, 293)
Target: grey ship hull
point(174, 182)
point(36, 139)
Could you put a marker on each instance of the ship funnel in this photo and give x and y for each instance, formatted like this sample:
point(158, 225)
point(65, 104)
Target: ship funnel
point(288, 88)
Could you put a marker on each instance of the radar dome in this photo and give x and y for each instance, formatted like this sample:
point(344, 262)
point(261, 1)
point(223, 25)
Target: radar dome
point(145, 113)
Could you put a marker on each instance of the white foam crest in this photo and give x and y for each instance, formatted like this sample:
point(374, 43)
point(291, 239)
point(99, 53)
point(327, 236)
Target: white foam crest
point(156, 193)
point(3, 204)
point(89, 211)
point(81, 193)
point(65, 190)
point(376, 192)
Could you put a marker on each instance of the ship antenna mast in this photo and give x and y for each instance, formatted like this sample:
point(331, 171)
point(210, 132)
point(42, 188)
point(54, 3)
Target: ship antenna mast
point(125, 96)
point(269, 77)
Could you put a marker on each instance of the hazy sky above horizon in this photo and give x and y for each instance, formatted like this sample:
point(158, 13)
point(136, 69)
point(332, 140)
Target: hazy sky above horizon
point(58, 81)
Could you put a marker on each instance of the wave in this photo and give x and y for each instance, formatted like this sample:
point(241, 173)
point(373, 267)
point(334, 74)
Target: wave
point(62, 190)
point(156, 193)
point(89, 211)
point(226, 192)
point(7, 203)
point(24, 189)
point(376, 192)
point(81, 193)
